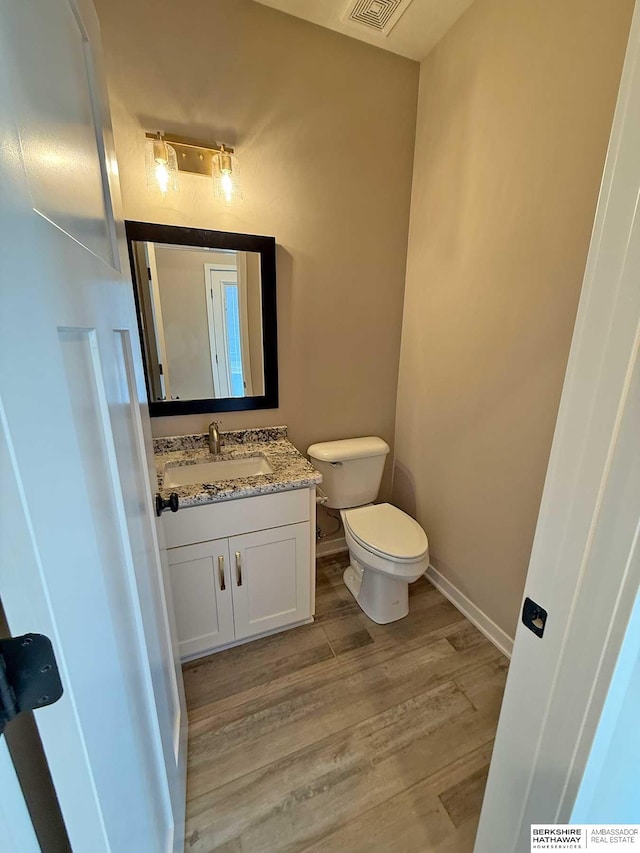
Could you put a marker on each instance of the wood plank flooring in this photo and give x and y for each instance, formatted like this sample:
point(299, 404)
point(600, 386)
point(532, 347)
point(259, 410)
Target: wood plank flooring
point(344, 735)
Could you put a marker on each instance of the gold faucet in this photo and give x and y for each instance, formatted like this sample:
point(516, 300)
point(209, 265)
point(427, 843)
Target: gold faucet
point(215, 442)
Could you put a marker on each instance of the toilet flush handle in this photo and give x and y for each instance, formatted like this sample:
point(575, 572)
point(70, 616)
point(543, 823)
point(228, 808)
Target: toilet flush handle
point(336, 464)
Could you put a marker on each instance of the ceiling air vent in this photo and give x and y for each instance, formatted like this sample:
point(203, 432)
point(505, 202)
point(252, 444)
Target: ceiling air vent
point(379, 15)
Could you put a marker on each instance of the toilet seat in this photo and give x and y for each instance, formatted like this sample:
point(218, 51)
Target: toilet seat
point(387, 531)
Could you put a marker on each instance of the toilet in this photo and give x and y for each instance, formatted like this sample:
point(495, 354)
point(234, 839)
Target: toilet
point(388, 549)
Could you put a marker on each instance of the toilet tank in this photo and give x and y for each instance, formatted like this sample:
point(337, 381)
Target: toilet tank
point(351, 469)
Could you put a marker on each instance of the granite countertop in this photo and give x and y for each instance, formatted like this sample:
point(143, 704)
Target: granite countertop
point(290, 469)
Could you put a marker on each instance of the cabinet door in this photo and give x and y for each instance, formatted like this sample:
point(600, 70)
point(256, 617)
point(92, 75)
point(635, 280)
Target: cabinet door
point(271, 578)
point(201, 583)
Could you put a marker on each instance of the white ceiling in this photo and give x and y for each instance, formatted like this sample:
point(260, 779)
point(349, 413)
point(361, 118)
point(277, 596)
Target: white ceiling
point(421, 26)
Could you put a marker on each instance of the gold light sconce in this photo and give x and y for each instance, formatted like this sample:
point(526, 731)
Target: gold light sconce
point(161, 164)
point(217, 162)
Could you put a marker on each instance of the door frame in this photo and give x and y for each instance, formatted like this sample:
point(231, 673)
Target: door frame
point(220, 387)
point(216, 346)
point(549, 720)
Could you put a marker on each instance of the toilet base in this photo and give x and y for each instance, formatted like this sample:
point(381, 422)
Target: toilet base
point(383, 598)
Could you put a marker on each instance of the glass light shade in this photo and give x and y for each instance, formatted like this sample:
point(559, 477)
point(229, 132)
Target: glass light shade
point(226, 178)
point(161, 165)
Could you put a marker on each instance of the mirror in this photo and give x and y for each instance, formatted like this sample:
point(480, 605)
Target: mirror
point(206, 303)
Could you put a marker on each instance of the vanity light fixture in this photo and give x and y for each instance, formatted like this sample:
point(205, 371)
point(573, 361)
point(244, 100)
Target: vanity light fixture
point(161, 163)
point(216, 161)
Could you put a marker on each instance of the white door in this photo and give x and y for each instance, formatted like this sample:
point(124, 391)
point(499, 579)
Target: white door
point(16, 829)
point(201, 586)
point(271, 579)
point(227, 320)
point(584, 567)
point(78, 551)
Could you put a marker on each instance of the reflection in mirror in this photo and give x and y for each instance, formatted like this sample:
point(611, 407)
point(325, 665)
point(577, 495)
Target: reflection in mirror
point(202, 316)
point(206, 304)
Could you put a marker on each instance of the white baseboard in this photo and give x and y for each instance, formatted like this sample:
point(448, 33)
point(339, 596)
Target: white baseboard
point(492, 632)
point(331, 546)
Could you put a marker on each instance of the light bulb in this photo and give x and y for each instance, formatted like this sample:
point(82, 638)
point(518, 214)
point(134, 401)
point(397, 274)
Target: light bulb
point(227, 186)
point(225, 173)
point(162, 177)
point(161, 166)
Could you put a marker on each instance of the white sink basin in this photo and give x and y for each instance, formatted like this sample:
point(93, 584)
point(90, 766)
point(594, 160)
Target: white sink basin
point(213, 472)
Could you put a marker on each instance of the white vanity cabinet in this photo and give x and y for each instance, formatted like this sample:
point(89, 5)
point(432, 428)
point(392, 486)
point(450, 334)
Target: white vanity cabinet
point(202, 596)
point(272, 577)
point(257, 578)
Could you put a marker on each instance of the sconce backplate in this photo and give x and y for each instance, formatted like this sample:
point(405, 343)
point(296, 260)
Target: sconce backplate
point(192, 156)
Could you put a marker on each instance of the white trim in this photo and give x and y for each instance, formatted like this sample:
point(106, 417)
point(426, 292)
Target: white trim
point(327, 547)
point(500, 639)
point(312, 548)
point(494, 633)
point(219, 378)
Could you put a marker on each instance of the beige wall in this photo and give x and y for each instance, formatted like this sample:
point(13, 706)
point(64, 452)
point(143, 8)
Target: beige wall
point(515, 109)
point(314, 115)
point(184, 318)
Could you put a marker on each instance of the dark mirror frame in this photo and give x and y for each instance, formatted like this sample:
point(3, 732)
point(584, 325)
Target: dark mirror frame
point(203, 238)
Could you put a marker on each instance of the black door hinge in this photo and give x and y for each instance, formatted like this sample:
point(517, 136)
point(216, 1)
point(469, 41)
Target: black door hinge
point(29, 676)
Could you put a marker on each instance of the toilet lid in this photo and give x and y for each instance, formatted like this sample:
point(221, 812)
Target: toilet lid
point(389, 531)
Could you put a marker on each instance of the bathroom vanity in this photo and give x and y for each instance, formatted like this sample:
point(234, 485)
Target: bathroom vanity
point(241, 548)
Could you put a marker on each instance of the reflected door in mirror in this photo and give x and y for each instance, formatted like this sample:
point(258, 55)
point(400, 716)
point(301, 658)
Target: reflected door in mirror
point(235, 327)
